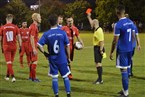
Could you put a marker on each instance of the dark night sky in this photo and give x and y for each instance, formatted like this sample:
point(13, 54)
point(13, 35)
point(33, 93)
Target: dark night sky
point(30, 2)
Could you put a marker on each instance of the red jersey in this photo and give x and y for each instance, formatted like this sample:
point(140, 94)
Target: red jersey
point(71, 32)
point(34, 32)
point(25, 34)
point(9, 32)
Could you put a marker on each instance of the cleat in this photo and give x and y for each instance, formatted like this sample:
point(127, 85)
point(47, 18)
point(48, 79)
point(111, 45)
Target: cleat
point(56, 95)
point(36, 80)
point(7, 78)
point(122, 95)
point(13, 79)
point(70, 76)
point(121, 92)
point(68, 95)
point(29, 79)
point(98, 82)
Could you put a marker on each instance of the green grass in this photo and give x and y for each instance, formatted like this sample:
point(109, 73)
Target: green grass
point(84, 73)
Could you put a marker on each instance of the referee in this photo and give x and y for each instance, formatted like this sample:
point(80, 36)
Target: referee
point(98, 42)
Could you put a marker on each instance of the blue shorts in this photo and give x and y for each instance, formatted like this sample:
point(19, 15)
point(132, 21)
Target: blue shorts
point(54, 68)
point(123, 60)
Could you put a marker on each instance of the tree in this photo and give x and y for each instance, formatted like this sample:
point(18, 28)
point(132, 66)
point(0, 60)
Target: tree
point(77, 10)
point(18, 9)
point(105, 10)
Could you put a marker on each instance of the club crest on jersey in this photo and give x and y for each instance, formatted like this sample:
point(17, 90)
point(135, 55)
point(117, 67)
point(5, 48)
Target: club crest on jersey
point(27, 33)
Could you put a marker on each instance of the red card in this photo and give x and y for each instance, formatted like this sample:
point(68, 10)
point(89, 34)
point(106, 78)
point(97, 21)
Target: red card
point(89, 10)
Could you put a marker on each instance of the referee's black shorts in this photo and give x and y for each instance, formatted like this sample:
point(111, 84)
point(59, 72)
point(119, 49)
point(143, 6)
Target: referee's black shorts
point(97, 55)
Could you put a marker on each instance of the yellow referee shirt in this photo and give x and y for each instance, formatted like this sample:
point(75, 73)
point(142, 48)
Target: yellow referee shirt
point(98, 36)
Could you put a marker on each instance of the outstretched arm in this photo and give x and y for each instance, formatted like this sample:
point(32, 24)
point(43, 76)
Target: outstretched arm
point(90, 20)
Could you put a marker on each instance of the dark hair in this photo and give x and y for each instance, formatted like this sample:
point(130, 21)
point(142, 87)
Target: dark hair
point(120, 9)
point(60, 16)
point(52, 19)
point(9, 16)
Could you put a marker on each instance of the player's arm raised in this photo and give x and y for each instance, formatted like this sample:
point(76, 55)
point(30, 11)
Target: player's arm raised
point(90, 19)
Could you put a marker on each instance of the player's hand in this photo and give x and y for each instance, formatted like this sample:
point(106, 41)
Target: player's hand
point(20, 49)
point(68, 60)
point(101, 52)
point(138, 47)
point(89, 14)
point(34, 51)
point(111, 56)
point(46, 54)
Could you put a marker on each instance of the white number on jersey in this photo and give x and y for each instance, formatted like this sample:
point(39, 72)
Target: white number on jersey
point(56, 47)
point(129, 31)
point(9, 35)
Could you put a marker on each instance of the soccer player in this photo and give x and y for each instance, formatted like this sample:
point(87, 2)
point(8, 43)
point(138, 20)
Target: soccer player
point(98, 42)
point(60, 21)
point(25, 36)
point(135, 40)
point(33, 50)
point(9, 33)
point(71, 31)
point(58, 48)
point(123, 38)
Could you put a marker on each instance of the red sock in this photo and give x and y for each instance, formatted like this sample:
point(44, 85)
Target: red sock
point(33, 71)
point(30, 73)
point(10, 69)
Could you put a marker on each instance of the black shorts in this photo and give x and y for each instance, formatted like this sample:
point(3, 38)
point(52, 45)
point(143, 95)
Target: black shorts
point(97, 55)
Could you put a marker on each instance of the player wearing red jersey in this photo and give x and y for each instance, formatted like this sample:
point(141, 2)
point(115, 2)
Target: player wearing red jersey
point(8, 36)
point(25, 35)
point(33, 50)
point(71, 31)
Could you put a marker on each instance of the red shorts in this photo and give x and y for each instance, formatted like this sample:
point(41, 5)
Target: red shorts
point(25, 49)
point(9, 53)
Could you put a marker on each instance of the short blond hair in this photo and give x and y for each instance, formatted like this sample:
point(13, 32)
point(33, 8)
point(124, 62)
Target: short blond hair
point(35, 16)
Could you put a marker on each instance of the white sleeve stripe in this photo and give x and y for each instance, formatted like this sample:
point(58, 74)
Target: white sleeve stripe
point(68, 44)
point(40, 44)
point(116, 34)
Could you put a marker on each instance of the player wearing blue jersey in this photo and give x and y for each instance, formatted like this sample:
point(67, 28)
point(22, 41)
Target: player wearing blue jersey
point(60, 21)
point(123, 37)
point(58, 48)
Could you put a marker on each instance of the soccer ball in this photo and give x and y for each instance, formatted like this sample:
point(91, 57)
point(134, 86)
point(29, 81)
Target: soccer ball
point(78, 45)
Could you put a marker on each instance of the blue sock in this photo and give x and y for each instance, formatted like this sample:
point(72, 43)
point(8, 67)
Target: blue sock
point(55, 85)
point(129, 71)
point(125, 80)
point(67, 85)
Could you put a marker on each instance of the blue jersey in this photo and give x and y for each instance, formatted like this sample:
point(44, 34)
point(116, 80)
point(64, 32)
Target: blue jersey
point(124, 29)
point(59, 26)
point(56, 40)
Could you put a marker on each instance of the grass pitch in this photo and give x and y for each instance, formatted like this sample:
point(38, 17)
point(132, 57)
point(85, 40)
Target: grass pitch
point(84, 73)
